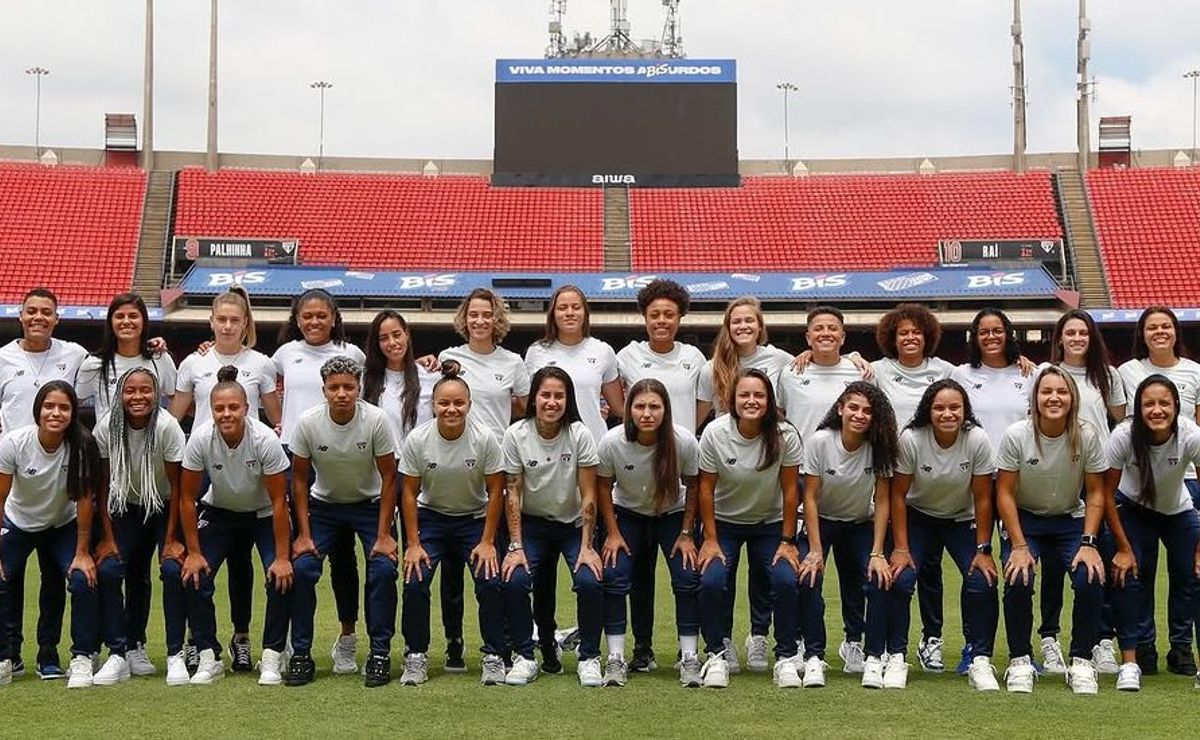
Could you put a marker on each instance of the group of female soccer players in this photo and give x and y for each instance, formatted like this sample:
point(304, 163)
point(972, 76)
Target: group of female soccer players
point(885, 465)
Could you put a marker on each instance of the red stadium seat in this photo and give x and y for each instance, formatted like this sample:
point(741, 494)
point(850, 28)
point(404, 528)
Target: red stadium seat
point(1148, 219)
point(835, 222)
point(83, 222)
point(399, 222)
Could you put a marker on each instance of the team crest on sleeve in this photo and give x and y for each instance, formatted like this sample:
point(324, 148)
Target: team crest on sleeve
point(469, 462)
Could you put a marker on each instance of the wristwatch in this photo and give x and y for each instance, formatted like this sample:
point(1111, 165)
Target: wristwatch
point(1088, 540)
point(515, 546)
point(984, 548)
point(685, 533)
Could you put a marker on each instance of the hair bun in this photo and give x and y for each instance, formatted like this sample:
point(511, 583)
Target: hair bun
point(451, 369)
point(227, 374)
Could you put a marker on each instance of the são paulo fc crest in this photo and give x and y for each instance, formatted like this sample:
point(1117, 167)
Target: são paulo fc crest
point(251, 464)
point(591, 360)
point(469, 462)
point(565, 457)
point(362, 446)
point(1172, 461)
point(964, 465)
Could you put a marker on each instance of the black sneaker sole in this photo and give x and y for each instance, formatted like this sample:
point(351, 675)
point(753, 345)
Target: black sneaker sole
point(374, 683)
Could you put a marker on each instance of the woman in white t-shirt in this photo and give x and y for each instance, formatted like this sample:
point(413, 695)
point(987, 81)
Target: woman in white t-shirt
point(143, 445)
point(347, 445)
point(1158, 348)
point(941, 501)
point(235, 334)
point(244, 464)
point(749, 493)
point(1042, 464)
point(499, 383)
point(49, 474)
point(453, 499)
point(1148, 455)
point(313, 334)
point(393, 380)
point(124, 346)
point(647, 495)
point(1077, 347)
point(847, 466)
point(550, 465)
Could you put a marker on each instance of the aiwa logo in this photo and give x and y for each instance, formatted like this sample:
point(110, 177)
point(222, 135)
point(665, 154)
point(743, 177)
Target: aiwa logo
point(614, 180)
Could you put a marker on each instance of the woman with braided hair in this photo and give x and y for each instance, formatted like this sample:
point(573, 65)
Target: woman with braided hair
point(143, 447)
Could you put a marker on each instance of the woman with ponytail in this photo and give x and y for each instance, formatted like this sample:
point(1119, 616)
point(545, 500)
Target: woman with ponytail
point(143, 447)
point(646, 488)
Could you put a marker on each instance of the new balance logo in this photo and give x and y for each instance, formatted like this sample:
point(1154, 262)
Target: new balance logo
point(630, 467)
point(531, 463)
point(927, 468)
point(431, 466)
point(1033, 461)
point(323, 448)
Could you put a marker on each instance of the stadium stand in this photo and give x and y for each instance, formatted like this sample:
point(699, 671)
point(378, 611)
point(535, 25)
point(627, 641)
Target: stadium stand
point(1148, 224)
point(836, 222)
point(369, 221)
point(81, 221)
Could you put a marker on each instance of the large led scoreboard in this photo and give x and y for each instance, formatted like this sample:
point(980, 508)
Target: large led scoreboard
point(645, 122)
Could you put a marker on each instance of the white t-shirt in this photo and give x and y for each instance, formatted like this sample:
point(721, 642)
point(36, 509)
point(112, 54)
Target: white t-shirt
point(744, 494)
point(847, 478)
point(198, 376)
point(494, 379)
point(549, 468)
point(807, 397)
point(169, 444)
point(999, 396)
point(1091, 404)
point(1185, 374)
point(88, 383)
point(1050, 479)
point(343, 455)
point(299, 364)
point(22, 374)
point(905, 386)
point(38, 498)
point(941, 476)
point(1168, 462)
point(591, 364)
point(236, 473)
point(393, 407)
point(771, 360)
point(452, 471)
point(678, 371)
point(631, 466)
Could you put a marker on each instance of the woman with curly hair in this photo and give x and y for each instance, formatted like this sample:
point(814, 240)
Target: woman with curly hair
point(908, 337)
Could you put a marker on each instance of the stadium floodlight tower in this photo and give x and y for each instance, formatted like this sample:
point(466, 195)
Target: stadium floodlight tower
point(618, 42)
point(672, 38)
point(558, 39)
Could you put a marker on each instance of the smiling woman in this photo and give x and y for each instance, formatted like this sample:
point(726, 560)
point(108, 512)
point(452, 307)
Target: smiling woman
point(125, 345)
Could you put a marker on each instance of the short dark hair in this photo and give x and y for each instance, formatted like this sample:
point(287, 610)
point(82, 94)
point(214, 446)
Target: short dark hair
point(830, 310)
point(663, 288)
point(40, 293)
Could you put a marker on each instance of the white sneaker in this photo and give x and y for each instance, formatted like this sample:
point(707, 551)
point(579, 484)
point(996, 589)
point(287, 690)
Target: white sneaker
point(1104, 655)
point(492, 670)
point(177, 672)
point(872, 673)
point(852, 656)
point(270, 668)
point(1129, 677)
point(416, 669)
point(689, 671)
point(6, 672)
point(1082, 677)
point(344, 654)
point(714, 674)
point(732, 662)
point(114, 671)
point(139, 662)
point(210, 669)
point(814, 673)
point(981, 675)
point(895, 672)
point(616, 671)
point(929, 655)
point(590, 675)
point(1020, 675)
point(81, 672)
point(787, 672)
point(523, 671)
point(757, 653)
point(1052, 656)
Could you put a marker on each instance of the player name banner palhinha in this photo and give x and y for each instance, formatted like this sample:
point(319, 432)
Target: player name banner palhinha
point(273, 251)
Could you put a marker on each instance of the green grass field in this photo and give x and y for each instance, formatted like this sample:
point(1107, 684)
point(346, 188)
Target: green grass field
point(652, 705)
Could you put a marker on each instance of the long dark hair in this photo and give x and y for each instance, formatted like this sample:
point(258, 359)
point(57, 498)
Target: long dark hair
point(666, 462)
point(291, 330)
point(1140, 435)
point(108, 341)
point(375, 370)
point(772, 444)
point(1097, 361)
point(882, 433)
point(552, 328)
point(923, 416)
point(571, 415)
point(1012, 347)
point(83, 457)
point(1140, 350)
